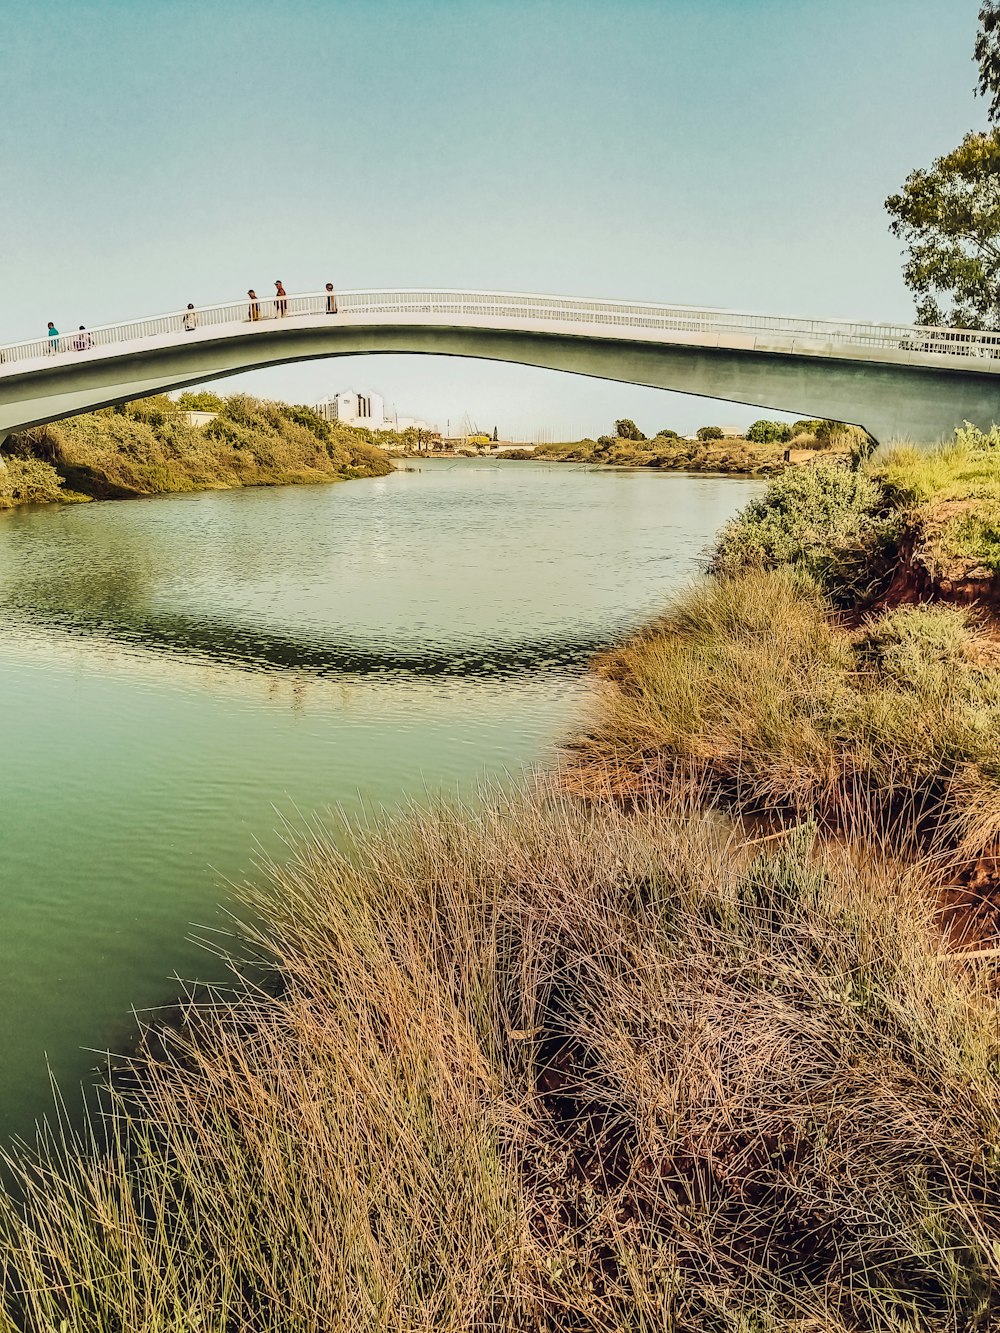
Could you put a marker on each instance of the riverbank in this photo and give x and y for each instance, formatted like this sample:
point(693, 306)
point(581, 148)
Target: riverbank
point(694, 1034)
point(736, 455)
point(151, 447)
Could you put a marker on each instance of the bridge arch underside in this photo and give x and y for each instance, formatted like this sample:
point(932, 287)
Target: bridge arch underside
point(921, 403)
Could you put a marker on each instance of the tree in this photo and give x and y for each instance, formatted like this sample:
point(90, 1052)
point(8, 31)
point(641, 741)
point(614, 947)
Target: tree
point(987, 55)
point(948, 215)
point(769, 432)
point(628, 430)
point(710, 433)
point(200, 401)
point(667, 435)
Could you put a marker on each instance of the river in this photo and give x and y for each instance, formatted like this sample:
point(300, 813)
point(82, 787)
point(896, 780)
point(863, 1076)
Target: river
point(182, 677)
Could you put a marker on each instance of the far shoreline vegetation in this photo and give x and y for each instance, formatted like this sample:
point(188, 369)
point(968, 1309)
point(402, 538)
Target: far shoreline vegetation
point(763, 450)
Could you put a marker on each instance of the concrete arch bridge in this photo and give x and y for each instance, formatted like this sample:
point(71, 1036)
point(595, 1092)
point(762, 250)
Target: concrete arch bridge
point(895, 380)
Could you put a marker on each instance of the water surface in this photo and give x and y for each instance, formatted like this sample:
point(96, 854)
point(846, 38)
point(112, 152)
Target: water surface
point(179, 675)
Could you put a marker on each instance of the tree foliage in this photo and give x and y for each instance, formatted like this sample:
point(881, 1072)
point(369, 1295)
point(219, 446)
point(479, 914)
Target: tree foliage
point(769, 432)
point(987, 54)
point(948, 216)
point(628, 430)
point(710, 433)
point(200, 401)
point(667, 435)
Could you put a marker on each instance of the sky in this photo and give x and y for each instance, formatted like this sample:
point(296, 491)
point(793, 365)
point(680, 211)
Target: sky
point(732, 153)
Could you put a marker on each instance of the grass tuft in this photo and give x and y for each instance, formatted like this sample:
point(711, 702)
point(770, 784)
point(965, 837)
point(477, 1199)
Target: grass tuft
point(751, 686)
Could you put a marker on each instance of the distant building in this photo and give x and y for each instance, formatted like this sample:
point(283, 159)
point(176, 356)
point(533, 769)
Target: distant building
point(194, 417)
point(406, 423)
point(354, 409)
point(733, 432)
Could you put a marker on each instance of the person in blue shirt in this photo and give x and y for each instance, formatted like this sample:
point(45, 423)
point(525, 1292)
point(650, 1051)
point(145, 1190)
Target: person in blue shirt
point(53, 337)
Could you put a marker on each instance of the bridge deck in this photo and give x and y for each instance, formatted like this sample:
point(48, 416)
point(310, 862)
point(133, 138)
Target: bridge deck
point(899, 381)
point(569, 316)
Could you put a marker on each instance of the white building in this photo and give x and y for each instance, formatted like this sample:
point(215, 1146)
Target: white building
point(405, 423)
point(194, 417)
point(354, 409)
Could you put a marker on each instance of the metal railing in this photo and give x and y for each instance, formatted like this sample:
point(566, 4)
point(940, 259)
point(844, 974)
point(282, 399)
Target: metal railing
point(769, 332)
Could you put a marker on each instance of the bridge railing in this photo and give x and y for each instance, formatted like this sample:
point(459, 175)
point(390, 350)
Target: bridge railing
point(575, 311)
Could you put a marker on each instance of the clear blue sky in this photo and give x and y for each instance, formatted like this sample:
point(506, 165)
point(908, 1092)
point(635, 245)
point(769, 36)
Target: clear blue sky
point(720, 152)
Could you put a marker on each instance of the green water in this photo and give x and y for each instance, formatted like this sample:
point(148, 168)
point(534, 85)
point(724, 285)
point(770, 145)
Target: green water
point(179, 676)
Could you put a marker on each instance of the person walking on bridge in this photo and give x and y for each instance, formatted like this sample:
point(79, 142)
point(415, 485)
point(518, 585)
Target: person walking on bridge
point(53, 338)
point(190, 318)
point(254, 305)
point(331, 299)
point(83, 341)
point(280, 303)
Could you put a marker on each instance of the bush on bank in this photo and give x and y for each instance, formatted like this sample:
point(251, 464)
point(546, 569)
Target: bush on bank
point(749, 686)
point(905, 524)
point(831, 520)
point(28, 481)
point(148, 447)
point(548, 1067)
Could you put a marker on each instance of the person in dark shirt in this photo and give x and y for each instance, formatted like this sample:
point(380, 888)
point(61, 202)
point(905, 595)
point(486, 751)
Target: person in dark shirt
point(280, 303)
point(331, 299)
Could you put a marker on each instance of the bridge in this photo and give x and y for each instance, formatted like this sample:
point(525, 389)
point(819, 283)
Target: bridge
point(898, 381)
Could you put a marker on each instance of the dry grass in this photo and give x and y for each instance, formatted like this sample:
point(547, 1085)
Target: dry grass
point(548, 1067)
point(749, 685)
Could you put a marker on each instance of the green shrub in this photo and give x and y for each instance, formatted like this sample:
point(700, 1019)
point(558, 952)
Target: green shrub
point(832, 521)
point(769, 432)
point(27, 481)
point(923, 646)
point(628, 430)
point(147, 447)
point(200, 401)
point(46, 442)
point(667, 435)
point(710, 433)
